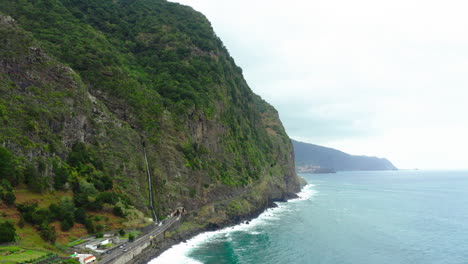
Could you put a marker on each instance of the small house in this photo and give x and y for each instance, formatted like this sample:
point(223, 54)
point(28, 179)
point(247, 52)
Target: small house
point(89, 259)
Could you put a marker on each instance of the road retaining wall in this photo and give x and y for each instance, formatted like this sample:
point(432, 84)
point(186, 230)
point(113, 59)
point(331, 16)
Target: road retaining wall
point(132, 253)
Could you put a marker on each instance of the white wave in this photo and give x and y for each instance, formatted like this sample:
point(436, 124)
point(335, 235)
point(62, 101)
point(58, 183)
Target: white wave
point(306, 193)
point(178, 254)
point(178, 257)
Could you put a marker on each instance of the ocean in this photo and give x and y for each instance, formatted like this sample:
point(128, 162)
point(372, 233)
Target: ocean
point(408, 217)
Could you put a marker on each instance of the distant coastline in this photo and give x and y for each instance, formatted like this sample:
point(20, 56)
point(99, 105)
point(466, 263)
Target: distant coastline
point(310, 158)
point(313, 169)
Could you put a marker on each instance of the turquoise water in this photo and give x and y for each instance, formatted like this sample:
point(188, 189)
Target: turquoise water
point(349, 217)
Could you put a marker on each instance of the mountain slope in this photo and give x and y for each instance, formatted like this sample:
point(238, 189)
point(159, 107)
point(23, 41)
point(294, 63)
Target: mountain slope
point(87, 86)
point(313, 155)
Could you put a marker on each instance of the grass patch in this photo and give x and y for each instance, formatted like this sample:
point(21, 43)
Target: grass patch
point(17, 254)
point(30, 238)
point(43, 199)
point(76, 242)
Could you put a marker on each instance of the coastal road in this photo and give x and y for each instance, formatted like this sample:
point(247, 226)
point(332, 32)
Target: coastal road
point(118, 252)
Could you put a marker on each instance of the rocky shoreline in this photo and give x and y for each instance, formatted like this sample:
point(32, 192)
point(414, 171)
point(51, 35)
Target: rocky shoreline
point(154, 251)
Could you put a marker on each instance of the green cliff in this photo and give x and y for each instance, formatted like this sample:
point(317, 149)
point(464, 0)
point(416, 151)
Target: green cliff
point(87, 86)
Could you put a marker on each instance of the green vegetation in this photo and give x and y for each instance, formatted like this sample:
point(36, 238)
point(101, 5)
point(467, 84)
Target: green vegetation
point(238, 206)
point(71, 261)
point(86, 86)
point(6, 192)
point(168, 58)
point(65, 212)
point(76, 242)
point(8, 169)
point(14, 254)
point(187, 226)
point(130, 234)
point(7, 232)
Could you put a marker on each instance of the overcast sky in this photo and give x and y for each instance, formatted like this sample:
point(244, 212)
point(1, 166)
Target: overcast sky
point(371, 77)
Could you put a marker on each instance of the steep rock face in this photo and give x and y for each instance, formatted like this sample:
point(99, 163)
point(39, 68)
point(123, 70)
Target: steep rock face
point(120, 76)
point(47, 109)
point(327, 158)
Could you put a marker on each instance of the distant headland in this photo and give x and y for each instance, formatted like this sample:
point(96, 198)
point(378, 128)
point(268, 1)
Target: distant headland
point(312, 158)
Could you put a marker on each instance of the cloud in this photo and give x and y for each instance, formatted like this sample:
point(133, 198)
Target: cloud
point(383, 78)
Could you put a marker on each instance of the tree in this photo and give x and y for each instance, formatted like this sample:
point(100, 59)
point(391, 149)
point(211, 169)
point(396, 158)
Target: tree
point(107, 182)
point(33, 179)
point(48, 233)
point(61, 177)
point(87, 188)
point(7, 165)
point(55, 212)
point(9, 198)
point(95, 206)
point(78, 155)
point(27, 210)
point(7, 232)
point(108, 197)
point(66, 225)
point(81, 199)
point(80, 215)
point(131, 237)
point(21, 222)
point(100, 227)
point(7, 185)
point(118, 211)
point(40, 217)
point(67, 213)
point(89, 226)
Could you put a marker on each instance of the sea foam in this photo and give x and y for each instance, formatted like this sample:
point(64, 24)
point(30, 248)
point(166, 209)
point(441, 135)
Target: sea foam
point(179, 254)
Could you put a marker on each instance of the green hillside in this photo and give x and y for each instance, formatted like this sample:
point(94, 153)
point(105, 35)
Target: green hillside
point(87, 86)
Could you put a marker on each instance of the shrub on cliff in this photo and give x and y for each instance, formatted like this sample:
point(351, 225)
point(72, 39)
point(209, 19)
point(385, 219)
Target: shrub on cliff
point(48, 233)
point(7, 232)
point(8, 166)
point(6, 192)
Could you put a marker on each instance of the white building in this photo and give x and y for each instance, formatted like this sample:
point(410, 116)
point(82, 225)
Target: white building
point(104, 242)
point(85, 258)
point(94, 246)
